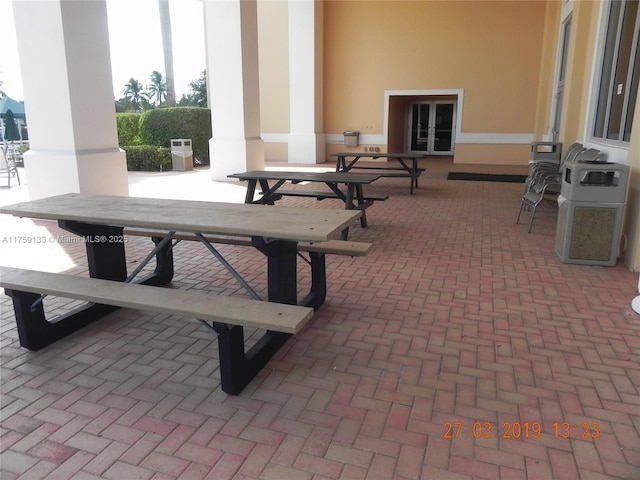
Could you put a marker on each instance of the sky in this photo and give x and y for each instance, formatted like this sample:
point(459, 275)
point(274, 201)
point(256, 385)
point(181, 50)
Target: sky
point(135, 42)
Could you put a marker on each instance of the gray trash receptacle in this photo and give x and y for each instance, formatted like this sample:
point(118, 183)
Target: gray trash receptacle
point(181, 154)
point(590, 212)
point(350, 138)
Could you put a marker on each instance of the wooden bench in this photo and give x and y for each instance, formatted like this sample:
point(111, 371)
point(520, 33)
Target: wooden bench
point(335, 247)
point(324, 194)
point(227, 315)
point(407, 174)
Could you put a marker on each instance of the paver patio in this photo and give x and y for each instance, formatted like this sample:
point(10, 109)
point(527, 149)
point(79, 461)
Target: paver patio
point(457, 319)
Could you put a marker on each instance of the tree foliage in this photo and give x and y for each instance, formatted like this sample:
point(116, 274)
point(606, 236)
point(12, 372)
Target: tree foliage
point(157, 89)
point(134, 96)
point(198, 95)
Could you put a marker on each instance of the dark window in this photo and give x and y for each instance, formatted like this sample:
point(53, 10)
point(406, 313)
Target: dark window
point(620, 71)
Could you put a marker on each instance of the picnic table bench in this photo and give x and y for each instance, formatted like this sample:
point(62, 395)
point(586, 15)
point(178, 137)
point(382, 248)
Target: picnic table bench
point(101, 220)
point(411, 171)
point(271, 182)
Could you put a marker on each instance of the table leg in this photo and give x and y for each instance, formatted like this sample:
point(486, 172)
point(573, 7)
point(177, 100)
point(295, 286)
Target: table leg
point(251, 190)
point(281, 269)
point(105, 249)
point(413, 172)
point(361, 203)
point(237, 367)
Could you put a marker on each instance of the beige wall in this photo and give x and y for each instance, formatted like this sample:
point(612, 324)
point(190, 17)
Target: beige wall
point(502, 55)
point(379, 46)
point(273, 50)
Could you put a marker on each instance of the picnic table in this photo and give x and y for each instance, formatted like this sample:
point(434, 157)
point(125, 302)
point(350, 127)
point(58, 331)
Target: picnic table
point(271, 183)
point(100, 220)
point(411, 169)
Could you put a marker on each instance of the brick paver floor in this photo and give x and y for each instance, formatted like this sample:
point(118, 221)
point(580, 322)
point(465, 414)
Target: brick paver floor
point(460, 348)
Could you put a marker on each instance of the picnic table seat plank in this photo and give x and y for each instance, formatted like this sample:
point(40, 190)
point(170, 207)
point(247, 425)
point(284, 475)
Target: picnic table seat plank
point(209, 307)
point(336, 247)
point(323, 194)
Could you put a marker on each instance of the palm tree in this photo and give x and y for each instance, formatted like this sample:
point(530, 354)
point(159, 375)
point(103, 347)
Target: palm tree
point(157, 88)
point(134, 95)
point(2, 94)
point(167, 48)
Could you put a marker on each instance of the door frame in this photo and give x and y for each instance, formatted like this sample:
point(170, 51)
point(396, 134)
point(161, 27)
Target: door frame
point(394, 134)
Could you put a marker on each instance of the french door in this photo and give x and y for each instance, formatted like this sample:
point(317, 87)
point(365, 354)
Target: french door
point(432, 131)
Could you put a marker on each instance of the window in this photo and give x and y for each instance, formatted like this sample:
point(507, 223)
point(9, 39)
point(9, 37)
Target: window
point(620, 73)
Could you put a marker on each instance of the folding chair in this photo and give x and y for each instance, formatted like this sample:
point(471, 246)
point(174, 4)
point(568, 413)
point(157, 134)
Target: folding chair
point(545, 183)
point(8, 166)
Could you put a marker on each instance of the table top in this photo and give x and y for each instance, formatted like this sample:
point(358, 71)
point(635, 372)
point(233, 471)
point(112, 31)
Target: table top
point(378, 155)
point(337, 177)
point(283, 223)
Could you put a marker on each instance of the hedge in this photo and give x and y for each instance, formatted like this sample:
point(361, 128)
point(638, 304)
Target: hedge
point(159, 125)
point(128, 128)
point(147, 158)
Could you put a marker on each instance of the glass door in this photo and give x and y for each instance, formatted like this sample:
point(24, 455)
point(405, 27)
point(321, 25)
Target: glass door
point(431, 125)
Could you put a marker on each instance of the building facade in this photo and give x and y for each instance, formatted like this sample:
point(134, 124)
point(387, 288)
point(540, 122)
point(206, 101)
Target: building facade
point(475, 80)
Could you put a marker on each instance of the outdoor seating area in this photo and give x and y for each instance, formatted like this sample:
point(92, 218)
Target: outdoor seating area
point(444, 342)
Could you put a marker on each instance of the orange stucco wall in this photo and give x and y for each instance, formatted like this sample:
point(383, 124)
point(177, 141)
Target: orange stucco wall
point(371, 47)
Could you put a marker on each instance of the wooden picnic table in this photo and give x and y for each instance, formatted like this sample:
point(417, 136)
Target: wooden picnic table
point(100, 220)
point(412, 170)
point(271, 183)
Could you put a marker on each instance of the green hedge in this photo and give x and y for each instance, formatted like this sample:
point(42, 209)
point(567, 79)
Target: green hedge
point(160, 125)
point(147, 158)
point(128, 128)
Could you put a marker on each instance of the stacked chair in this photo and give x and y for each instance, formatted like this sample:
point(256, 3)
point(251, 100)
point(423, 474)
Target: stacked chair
point(545, 174)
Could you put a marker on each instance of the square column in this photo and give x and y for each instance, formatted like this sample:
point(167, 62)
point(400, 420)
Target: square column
point(68, 92)
point(306, 140)
point(231, 32)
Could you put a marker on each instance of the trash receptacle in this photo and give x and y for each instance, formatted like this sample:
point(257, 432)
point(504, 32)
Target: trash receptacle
point(546, 152)
point(590, 211)
point(181, 154)
point(350, 138)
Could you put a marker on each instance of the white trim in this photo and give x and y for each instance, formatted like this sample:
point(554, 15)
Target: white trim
point(596, 69)
point(617, 151)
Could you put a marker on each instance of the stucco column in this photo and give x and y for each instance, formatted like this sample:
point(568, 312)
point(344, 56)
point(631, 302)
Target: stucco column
point(306, 140)
point(68, 94)
point(231, 32)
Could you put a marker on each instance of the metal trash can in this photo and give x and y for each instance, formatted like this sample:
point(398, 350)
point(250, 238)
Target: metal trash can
point(181, 154)
point(590, 212)
point(350, 138)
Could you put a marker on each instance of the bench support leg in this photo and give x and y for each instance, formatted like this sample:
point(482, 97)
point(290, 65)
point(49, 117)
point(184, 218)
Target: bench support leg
point(35, 332)
point(318, 293)
point(237, 369)
point(106, 260)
